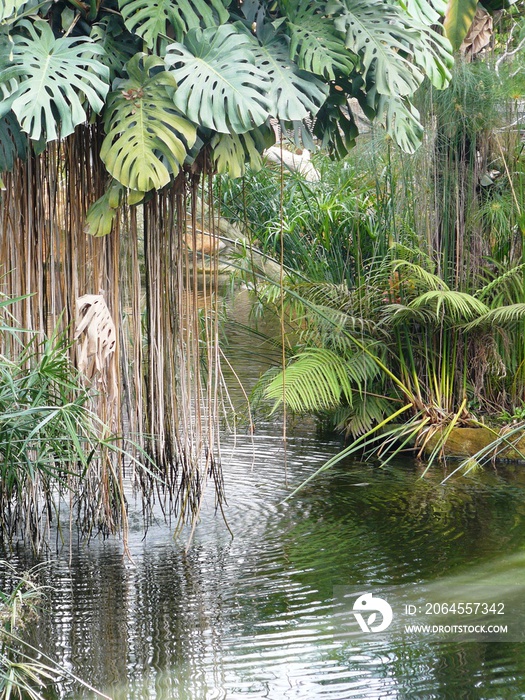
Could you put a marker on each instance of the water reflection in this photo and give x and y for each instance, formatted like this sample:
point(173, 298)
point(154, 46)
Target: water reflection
point(253, 616)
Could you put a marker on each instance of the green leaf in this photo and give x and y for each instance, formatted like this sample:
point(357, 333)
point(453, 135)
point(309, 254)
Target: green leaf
point(219, 85)
point(12, 10)
point(55, 78)
point(502, 317)
point(316, 45)
point(435, 54)
point(435, 57)
point(102, 213)
point(148, 18)
point(7, 86)
point(118, 44)
point(335, 125)
point(385, 40)
point(427, 11)
point(147, 139)
point(458, 18)
point(315, 380)
point(293, 94)
point(231, 153)
point(413, 273)
point(13, 144)
point(401, 120)
point(450, 305)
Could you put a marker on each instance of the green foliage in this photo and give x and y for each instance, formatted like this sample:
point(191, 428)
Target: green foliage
point(150, 19)
point(21, 676)
point(458, 19)
point(317, 46)
point(12, 10)
point(147, 139)
point(25, 672)
point(232, 152)
point(293, 94)
point(425, 11)
point(54, 451)
point(377, 34)
point(315, 380)
point(13, 144)
point(117, 43)
point(501, 317)
point(235, 65)
point(54, 79)
point(102, 213)
point(449, 305)
point(218, 84)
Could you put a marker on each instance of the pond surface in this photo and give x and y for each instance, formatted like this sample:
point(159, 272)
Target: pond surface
point(254, 617)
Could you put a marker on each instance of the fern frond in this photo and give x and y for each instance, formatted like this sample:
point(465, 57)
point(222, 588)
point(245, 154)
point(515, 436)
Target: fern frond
point(367, 410)
point(316, 379)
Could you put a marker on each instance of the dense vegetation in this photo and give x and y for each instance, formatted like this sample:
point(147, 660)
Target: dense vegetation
point(412, 308)
point(113, 113)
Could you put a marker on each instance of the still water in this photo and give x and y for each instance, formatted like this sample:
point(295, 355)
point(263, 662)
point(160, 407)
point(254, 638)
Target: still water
point(253, 616)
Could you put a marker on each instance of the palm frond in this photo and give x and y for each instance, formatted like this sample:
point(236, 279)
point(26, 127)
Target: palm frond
point(400, 314)
point(505, 282)
point(419, 274)
point(315, 380)
point(366, 411)
point(450, 305)
point(502, 317)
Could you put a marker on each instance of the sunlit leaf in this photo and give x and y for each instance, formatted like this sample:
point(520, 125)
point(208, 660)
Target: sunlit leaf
point(219, 85)
point(318, 47)
point(384, 39)
point(147, 139)
point(149, 18)
point(53, 77)
point(458, 18)
point(118, 44)
point(293, 94)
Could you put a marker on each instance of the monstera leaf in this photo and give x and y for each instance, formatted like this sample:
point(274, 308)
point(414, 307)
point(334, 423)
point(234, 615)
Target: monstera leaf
point(102, 213)
point(147, 139)
point(232, 152)
point(55, 78)
point(435, 54)
point(401, 120)
point(219, 85)
point(435, 57)
point(7, 86)
point(427, 11)
point(118, 44)
point(12, 10)
point(384, 39)
point(316, 44)
point(293, 94)
point(148, 18)
point(335, 127)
